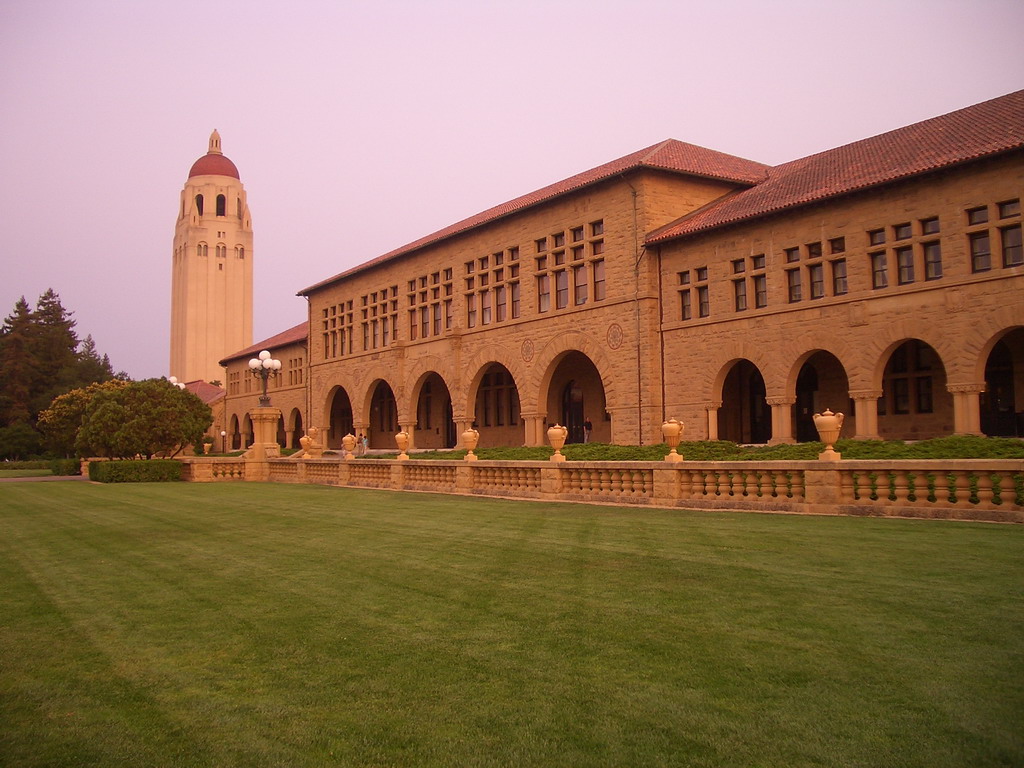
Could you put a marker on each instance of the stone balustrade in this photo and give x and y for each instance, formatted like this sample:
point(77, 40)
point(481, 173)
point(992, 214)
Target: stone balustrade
point(963, 489)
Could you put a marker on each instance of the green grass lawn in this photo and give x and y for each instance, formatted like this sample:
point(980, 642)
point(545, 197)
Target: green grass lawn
point(281, 625)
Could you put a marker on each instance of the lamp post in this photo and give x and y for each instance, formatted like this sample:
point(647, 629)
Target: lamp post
point(264, 368)
point(174, 382)
point(223, 441)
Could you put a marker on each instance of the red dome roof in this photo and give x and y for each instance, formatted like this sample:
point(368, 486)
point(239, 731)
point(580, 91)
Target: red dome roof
point(213, 164)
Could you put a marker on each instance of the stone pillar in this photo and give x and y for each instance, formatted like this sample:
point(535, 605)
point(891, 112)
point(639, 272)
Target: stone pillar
point(782, 420)
point(534, 433)
point(264, 430)
point(712, 409)
point(866, 420)
point(966, 407)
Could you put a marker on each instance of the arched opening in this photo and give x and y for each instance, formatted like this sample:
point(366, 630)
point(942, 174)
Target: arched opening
point(247, 435)
point(295, 418)
point(282, 436)
point(575, 395)
point(744, 416)
point(1002, 402)
point(340, 418)
point(434, 425)
point(222, 205)
point(235, 434)
point(496, 408)
point(383, 417)
point(914, 404)
point(199, 204)
point(821, 384)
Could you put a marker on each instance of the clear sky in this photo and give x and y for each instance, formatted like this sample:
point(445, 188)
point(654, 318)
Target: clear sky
point(358, 127)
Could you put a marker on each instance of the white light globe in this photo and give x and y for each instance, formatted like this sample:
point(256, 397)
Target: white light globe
point(268, 364)
point(277, 365)
point(264, 355)
point(254, 364)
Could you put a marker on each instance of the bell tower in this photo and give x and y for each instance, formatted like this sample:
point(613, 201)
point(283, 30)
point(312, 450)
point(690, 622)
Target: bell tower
point(211, 278)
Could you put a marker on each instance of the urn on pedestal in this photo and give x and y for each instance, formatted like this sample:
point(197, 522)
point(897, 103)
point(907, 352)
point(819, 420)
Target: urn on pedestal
point(673, 432)
point(469, 439)
point(556, 436)
point(829, 425)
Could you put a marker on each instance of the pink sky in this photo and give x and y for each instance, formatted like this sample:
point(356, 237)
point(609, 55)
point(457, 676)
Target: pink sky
point(360, 126)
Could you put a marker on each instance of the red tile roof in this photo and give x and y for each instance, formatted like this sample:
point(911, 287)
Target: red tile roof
point(670, 155)
point(975, 132)
point(293, 335)
point(205, 391)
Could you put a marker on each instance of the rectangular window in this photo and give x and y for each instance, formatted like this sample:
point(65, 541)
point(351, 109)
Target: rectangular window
point(597, 248)
point(500, 304)
point(930, 226)
point(901, 395)
point(597, 228)
point(839, 284)
point(448, 314)
point(837, 245)
point(471, 311)
point(760, 291)
point(685, 310)
point(425, 321)
point(1009, 208)
point(576, 233)
point(436, 310)
point(597, 270)
point(579, 281)
point(905, 265)
point(792, 254)
point(703, 301)
point(981, 252)
point(902, 231)
point(543, 293)
point(816, 277)
point(879, 271)
point(813, 250)
point(702, 274)
point(932, 261)
point(977, 215)
point(738, 266)
point(876, 237)
point(757, 262)
point(485, 308)
point(561, 289)
point(739, 288)
point(684, 277)
point(793, 285)
point(1012, 255)
point(514, 291)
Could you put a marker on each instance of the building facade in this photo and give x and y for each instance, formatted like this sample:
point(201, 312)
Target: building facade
point(883, 279)
point(211, 277)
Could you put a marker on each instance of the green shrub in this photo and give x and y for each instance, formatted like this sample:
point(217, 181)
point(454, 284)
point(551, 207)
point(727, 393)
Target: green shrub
point(34, 464)
point(65, 467)
point(143, 471)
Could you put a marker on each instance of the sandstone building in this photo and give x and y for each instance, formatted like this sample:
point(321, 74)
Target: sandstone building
point(884, 279)
point(211, 278)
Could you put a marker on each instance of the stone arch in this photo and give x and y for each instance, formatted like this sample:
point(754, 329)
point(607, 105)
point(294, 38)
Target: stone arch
point(418, 374)
point(984, 333)
point(337, 419)
point(884, 340)
point(1001, 403)
point(295, 427)
point(730, 355)
point(817, 380)
point(548, 358)
point(430, 412)
point(741, 392)
point(380, 413)
point(234, 433)
point(478, 364)
point(916, 402)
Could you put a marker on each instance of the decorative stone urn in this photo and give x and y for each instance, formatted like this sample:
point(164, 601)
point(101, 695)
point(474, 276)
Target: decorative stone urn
point(469, 439)
point(673, 432)
point(829, 425)
point(311, 446)
point(402, 440)
point(556, 436)
point(348, 442)
point(207, 447)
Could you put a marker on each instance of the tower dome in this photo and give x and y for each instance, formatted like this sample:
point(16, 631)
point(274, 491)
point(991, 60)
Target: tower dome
point(214, 163)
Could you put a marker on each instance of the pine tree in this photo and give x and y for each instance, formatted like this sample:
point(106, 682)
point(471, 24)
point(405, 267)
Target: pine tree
point(16, 352)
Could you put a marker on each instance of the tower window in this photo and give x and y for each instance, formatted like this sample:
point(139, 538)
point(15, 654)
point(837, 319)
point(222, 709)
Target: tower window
point(199, 204)
point(222, 205)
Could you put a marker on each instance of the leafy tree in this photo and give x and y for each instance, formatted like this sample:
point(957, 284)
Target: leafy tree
point(141, 418)
point(19, 441)
point(61, 421)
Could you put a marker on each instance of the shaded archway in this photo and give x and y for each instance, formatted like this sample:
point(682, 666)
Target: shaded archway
point(496, 408)
point(915, 404)
point(339, 417)
point(234, 434)
point(434, 425)
point(247, 436)
point(821, 383)
point(575, 394)
point(1002, 402)
point(282, 436)
point(295, 430)
point(744, 416)
point(383, 417)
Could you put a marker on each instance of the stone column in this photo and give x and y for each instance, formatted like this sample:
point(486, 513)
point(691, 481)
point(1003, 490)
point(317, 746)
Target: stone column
point(712, 409)
point(534, 433)
point(289, 438)
point(782, 420)
point(866, 422)
point(966, 407)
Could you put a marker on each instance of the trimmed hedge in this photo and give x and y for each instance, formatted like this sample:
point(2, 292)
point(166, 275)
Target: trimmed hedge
point(151, 471)
point(66, 467)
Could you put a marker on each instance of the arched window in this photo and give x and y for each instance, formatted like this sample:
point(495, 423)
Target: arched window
point(238, 206)
point(199, 204)
point(201, 250)
point(240, 252)
point(222, 205)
